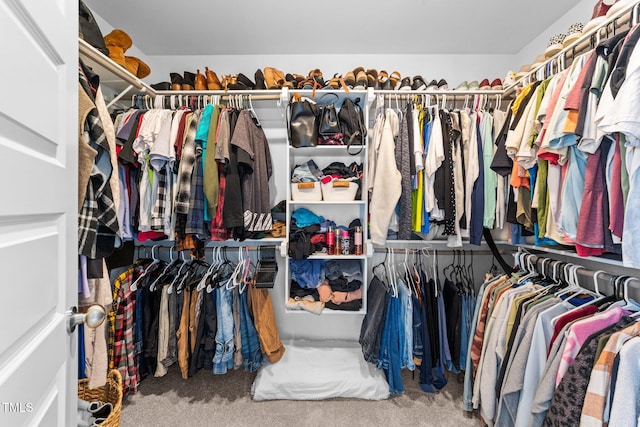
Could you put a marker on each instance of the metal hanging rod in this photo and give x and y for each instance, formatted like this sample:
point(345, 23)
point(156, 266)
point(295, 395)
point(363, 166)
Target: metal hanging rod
point(624, 17)
point(438, 251)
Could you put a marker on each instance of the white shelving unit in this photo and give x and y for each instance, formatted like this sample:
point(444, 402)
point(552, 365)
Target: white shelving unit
point(339, 211)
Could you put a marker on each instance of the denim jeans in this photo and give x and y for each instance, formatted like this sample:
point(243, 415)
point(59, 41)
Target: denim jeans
point(373, 322)
point(223, 358)
point(406, 326)
point(251, 354)
point(468, 308)
point(468, 375)
point(390, 359)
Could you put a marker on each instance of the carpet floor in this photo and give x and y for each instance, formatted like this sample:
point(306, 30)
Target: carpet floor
point(225, 400)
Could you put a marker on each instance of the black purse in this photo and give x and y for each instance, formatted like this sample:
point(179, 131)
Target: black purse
point(89, 30)
point(329, 125)
point(352, 124)
point(302, 118)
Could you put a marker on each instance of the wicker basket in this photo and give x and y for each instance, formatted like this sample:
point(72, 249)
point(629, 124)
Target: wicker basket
point(110, 392)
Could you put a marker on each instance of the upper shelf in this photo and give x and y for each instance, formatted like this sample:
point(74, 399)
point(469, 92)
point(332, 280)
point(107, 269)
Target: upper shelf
point(111, 74)
point(123, 82)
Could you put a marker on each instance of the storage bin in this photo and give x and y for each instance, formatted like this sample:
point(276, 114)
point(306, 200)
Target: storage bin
point(339, 191)
point(306, 191)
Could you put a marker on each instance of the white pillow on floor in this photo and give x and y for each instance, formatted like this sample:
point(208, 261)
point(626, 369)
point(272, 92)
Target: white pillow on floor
point(315, 371)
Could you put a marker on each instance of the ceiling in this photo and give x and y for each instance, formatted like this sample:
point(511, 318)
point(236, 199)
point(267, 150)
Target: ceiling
point(247, 27)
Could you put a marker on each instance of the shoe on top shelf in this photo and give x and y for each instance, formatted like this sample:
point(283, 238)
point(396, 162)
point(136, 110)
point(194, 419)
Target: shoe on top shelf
point(485, 85)
point(405, 84)
point(443, 85)
point(496, 84)
point(418, 83)
point(463, 86)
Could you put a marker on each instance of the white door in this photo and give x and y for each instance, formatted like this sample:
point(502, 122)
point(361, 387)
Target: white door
point(38, 211)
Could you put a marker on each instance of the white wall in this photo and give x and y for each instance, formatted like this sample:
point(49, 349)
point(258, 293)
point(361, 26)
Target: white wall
point(580, 13)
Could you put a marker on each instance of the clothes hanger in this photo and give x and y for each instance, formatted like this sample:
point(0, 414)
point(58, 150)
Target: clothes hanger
point(392, 277)
point(253, 112)
point(215, 269)
point(209, 272)
point(170, 289)
point(150, 268)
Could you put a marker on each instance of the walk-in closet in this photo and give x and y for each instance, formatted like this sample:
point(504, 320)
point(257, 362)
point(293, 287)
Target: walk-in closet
point(419, 213)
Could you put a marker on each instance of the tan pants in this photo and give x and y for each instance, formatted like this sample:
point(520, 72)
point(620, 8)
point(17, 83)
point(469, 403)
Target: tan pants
point(183, 335)
point(264, 320)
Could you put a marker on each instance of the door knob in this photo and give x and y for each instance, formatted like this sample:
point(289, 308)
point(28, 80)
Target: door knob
point(92, 318)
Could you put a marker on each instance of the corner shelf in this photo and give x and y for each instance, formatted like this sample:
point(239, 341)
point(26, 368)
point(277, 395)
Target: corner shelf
point(112, 75)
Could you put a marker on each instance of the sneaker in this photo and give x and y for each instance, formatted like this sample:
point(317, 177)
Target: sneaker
point(485, 85)
point(473, 85)
point(573, 34)
point(496, 84)
point(509, 79)
point(443, 85)
point(433, 85)
point(418, 83)
point(555, 45)
point(462, 86)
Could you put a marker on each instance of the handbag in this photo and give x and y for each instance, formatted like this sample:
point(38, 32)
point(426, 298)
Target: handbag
point(352, 123)
point(329, 125)
point(302, 119)
point(89, 30)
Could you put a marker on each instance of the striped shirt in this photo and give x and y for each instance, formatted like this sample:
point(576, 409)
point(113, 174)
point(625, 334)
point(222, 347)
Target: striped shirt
point(600, 381)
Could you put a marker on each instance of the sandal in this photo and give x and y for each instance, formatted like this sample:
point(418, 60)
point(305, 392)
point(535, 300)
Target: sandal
point(372, 79)
point(395, 77)
point(383, 80)
point(361, 81)
point(350, 79)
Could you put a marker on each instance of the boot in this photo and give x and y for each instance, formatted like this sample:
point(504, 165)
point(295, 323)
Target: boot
point(189, 81)
point(176, 81)
point(200, 81)
point(117, 41)
point(213, 83)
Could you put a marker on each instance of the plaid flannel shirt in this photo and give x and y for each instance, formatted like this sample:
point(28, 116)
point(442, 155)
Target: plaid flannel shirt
point(124, 355)
point(162, 177)
point(593, 409)
point(195, 216)
point(97, 221)
point(187, 162)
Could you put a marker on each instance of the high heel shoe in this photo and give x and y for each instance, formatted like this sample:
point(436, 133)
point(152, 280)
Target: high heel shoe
point(188, 81)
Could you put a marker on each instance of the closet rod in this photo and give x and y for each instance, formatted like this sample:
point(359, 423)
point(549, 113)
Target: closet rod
point(536, 260)
point(254, 94)
point(438, 251)
point(277, 94)
point(394, 93)
point(631, 10)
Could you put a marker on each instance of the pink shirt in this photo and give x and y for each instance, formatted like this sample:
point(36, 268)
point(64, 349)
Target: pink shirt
point(580, 331)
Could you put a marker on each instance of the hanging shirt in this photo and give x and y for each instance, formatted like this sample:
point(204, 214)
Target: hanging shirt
point(387, 182)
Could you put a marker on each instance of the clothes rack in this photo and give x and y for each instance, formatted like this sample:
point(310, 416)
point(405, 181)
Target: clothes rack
point(625, 17)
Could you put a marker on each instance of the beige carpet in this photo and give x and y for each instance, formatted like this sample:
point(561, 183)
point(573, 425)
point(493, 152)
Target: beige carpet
point(225, 400)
